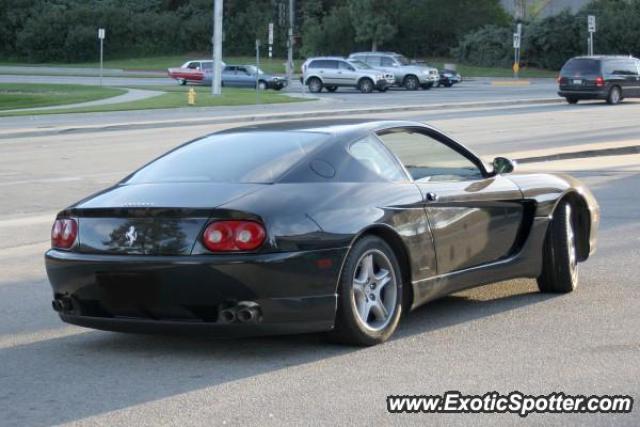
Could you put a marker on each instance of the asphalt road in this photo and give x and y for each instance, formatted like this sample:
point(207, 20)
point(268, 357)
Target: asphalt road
point(472, 91)
point(499, 337)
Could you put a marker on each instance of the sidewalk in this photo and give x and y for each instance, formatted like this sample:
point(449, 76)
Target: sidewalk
point(131, 95)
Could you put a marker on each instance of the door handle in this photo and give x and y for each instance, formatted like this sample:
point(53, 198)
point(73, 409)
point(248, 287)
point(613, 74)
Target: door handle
point(431, 197)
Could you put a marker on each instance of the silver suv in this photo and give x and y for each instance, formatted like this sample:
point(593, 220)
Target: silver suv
point(411, 76)
point(333, 72)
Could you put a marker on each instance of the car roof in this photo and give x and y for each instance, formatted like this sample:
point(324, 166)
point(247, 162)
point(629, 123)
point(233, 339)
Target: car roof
point(326, 57)
point(601, 57)
point(346, 128)
point(375, 53)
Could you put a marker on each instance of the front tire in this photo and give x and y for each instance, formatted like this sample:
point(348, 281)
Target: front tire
point(369, 294)
point(315, 85)
point(365, 85)
point(262, 85)
point(559, 257)
point(332, 88)
point(411, 83)
point(572, 101)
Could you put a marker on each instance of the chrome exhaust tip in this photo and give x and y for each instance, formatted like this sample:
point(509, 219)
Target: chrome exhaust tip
point(247, 315)
point(228, 315)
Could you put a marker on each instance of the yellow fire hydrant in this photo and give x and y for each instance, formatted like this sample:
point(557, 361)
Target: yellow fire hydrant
point(191, 97)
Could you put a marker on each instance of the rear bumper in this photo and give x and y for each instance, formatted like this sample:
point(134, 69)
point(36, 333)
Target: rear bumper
point(294, 291)
point(277, 84)
point(584, 94)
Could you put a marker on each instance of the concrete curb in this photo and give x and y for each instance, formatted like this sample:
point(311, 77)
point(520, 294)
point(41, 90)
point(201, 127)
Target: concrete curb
point(614, 151)
point(276, 117)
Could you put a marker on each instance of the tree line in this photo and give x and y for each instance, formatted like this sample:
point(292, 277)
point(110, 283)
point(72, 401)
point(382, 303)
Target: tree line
point(66, 30)
point(473, 31)
point(549, 42)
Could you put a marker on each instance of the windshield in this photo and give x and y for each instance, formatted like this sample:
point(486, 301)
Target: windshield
point(243, 157)
point(402, 60)
point(252, 69)
point(581, 67)
point(360, 65)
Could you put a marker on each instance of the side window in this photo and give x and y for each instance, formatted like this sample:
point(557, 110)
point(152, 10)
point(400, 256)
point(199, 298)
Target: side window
point(343, 65)
point(242, 70)
point(314, 64)
point(387, 62)
point(376, 158)
point(194, 65)
point(373, 60)
point(331, 64)
point(207, 66)
point(622, 68)
point(427, 159)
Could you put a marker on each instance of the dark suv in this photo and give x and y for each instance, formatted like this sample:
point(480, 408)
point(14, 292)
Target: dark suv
point(600, 77)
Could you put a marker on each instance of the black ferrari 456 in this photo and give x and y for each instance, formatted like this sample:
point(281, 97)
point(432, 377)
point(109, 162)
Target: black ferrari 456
point(338, 226)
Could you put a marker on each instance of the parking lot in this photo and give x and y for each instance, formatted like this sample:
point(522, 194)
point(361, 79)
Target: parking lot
point(500, 337)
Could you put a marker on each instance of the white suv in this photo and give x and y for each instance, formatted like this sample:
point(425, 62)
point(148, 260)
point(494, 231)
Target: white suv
point(334, 72)
point(410, 76)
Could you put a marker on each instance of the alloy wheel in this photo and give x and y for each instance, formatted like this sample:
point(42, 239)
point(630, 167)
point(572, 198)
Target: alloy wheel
point(571, 245)
point(374, 290)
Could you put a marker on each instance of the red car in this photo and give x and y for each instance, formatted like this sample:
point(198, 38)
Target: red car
point(197, 71)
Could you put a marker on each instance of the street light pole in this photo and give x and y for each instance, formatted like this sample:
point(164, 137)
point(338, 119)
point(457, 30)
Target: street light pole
point(216, 78)
point(290, 53)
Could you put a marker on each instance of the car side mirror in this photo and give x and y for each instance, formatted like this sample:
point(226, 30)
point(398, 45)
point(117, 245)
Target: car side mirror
point(502, 165)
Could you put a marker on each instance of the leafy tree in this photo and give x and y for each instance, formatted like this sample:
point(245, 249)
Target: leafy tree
point(372, 21)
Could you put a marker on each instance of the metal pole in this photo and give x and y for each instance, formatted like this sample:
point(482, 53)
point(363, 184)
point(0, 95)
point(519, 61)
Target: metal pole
point(290, 52)
point(101, 58)
point(257, 71)
point(216, 78)
point(591, 43)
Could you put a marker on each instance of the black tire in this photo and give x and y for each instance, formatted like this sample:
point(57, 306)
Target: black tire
point(262, 85)
point(332, 88)
point(383, 89)
point(572, 100)
point(349, 328)
point(427, 86)
point(559, 257)
point(182, 82)
point(411, 82)
point(615, 96)
point(315, 85)
point(448, 84)
point(365, 85)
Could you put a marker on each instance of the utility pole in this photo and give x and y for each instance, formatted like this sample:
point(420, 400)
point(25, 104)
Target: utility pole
point(290, 43)
point(216, 78)
point(517, 41)
point(101, 36)
point(591, 26)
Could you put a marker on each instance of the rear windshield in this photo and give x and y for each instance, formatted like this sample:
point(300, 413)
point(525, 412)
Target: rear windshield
point(246, 157)
point(581, 67)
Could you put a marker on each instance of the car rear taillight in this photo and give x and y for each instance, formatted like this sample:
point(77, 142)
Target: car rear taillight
point(229, 236)
point(64, 233)
point(599, 81)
